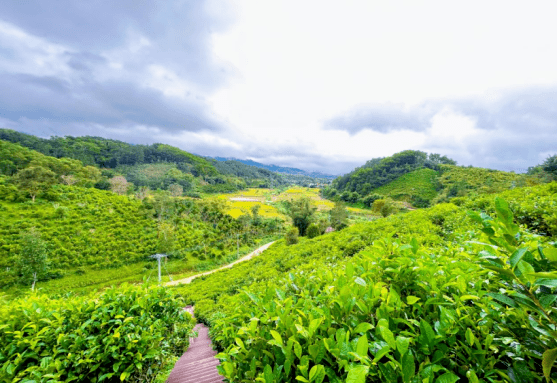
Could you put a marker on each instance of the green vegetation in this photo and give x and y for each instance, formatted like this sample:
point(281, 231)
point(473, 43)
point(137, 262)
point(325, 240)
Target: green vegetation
point(381, 171)
point(432, 295)
point(417, 187)
point(421, 180)
point(124, 334)
point(86, 230)
point(545, 171)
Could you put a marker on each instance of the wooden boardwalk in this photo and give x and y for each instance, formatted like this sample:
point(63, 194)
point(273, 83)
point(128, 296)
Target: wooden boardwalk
point(198, 364)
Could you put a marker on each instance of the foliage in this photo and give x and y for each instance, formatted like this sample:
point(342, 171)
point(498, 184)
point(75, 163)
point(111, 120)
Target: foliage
point(419, 185)
point(301, 212)
point(370, 198)
point(32, 261)
point(291, 236)
point(124, 334)
point(313, 231)
point(545, 171)
point(414, 303)
point(35, 180)
point(381, 171)
point(96, 230)
point(384, 206)
point(338, 216)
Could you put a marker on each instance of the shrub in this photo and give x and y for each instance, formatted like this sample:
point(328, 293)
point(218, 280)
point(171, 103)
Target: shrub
point(313, 231)
point(124, 334)
point(291, 237)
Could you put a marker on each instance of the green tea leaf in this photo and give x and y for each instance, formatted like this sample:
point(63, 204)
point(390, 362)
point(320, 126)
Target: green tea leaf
point(427, 332)
point(503, 211)
point(360, 281)
point(268, 374)
point(349, 270)
point(357, 374)
point(546, 282)
point(517, 256)
point(549, 358)
point(411, 300)
point(362, 327)
point(502, 298)
point(297, 350)
point(408, 366)
point(472, 376)
point(448, 377)
point(362, 346)
point(317, 373)
point(387, 335)
point(402, 344)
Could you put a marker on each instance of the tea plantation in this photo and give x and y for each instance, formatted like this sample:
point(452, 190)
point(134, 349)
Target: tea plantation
point(435, 295)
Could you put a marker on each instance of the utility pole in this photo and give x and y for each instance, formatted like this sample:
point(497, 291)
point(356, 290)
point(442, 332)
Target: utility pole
point(158, 258)
point(237, 251)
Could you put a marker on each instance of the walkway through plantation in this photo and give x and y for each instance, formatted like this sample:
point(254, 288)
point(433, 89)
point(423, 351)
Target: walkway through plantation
point(258, 251)
point(198, 364)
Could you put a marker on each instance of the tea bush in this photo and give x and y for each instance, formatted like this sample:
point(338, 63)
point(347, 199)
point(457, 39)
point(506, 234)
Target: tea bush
point(125, 334)
point(433, 295)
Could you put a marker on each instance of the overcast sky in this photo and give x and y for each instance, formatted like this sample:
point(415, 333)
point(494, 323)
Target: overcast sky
point(318, 85)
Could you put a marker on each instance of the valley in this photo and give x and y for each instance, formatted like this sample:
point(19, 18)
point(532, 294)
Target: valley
point(410, 268)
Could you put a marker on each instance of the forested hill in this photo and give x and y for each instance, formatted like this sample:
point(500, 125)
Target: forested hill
point(107, 153)
point(380, 171)
point(239, 169)
point(424, 179)
point(157, 166)
point(278, 169)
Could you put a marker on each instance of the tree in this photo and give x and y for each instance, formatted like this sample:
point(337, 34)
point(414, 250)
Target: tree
point(549, 166)
point(32, 263)
point(369, 199)
point(291, 237)
point(69, 179)
point(302, 212)
point(313, 231)
point(255, 214)
point(119, 185)
point(35, 180)
point(339, 216)
point(176, 190)
point(166, 238)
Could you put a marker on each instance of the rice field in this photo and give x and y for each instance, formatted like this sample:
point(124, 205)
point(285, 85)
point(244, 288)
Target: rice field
point(241, 203)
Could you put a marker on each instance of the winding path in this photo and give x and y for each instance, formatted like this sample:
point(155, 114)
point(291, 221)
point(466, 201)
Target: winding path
point(258, 251)
point(198, 364)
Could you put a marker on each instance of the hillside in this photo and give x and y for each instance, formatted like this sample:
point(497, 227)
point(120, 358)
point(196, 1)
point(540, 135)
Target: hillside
point(53, 201)
point(412, 296)
point(143, 164)
point(421, 180)
point(380, 171)
point(279, 169)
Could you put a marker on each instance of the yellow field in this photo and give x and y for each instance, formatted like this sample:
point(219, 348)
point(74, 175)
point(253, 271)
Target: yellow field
point(240, 203)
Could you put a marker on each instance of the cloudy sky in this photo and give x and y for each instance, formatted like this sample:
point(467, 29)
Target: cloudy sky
point(319, 85)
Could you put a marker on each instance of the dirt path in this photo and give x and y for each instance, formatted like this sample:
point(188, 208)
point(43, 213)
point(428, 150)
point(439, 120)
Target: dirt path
point(258, 251)
point(198, 364)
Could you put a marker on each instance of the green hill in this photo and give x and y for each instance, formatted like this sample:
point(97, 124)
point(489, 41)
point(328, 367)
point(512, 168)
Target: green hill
point(142, 164)
point(417, 187)
point(422, 180)
point(86, 230)
point(415, 296)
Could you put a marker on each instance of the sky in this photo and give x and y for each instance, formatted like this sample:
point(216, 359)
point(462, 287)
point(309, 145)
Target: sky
point(317, 85)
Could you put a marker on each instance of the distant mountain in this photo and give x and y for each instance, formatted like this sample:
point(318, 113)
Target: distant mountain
point(278, 169)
